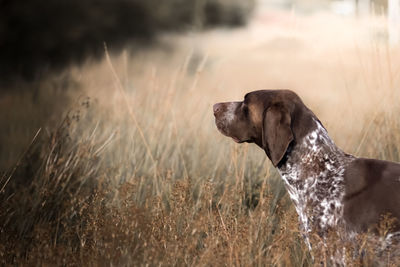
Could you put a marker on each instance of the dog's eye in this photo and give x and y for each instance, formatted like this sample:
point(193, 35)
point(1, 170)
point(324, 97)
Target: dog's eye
point(245, 110)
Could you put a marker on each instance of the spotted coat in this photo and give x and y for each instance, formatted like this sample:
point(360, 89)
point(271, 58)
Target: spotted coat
point(313, 175)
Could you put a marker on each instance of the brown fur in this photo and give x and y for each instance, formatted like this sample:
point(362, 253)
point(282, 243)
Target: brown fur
point(277, 120)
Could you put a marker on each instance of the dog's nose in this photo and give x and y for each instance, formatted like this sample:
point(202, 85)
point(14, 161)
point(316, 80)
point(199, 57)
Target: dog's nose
point(216, 108)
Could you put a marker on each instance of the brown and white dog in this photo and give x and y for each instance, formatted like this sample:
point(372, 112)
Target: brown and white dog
point(330, 189)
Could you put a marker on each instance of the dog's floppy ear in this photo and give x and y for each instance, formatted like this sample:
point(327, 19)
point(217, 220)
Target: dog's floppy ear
point(276, 132)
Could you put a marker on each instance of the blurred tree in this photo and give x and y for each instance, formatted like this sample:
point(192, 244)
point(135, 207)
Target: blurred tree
point(40, 36)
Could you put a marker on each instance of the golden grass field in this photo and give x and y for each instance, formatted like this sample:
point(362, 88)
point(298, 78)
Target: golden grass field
point(133, 172)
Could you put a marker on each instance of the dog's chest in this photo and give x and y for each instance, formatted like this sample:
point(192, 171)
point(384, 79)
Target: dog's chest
point(313, 174)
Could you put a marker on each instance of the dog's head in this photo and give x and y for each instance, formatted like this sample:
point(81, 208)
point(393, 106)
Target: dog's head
point(273, 119)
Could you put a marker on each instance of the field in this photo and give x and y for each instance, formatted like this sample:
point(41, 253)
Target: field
point(118, 161)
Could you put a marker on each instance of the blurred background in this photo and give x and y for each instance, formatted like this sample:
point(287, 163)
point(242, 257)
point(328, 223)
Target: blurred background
point(106, 124)
point(39, 37)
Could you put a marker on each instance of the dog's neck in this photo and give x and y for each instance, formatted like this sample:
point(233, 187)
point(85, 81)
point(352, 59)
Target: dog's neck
point(313, 172)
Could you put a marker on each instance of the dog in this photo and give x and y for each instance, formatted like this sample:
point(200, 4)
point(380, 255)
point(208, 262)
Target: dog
point(331, 190)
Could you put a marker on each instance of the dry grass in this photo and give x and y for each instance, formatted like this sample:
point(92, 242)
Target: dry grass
point(137, 173)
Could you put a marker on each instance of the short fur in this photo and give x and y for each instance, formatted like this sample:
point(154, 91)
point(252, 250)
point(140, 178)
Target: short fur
point(330, 189)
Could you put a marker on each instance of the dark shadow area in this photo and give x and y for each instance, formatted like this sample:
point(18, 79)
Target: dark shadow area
point(39, 37)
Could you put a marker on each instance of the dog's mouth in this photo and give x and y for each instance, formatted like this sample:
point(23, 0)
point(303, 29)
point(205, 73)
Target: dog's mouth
point(222, 128)
point(236, 139)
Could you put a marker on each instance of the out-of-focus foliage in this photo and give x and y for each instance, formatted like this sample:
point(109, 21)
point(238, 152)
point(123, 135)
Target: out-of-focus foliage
point(37, 36)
